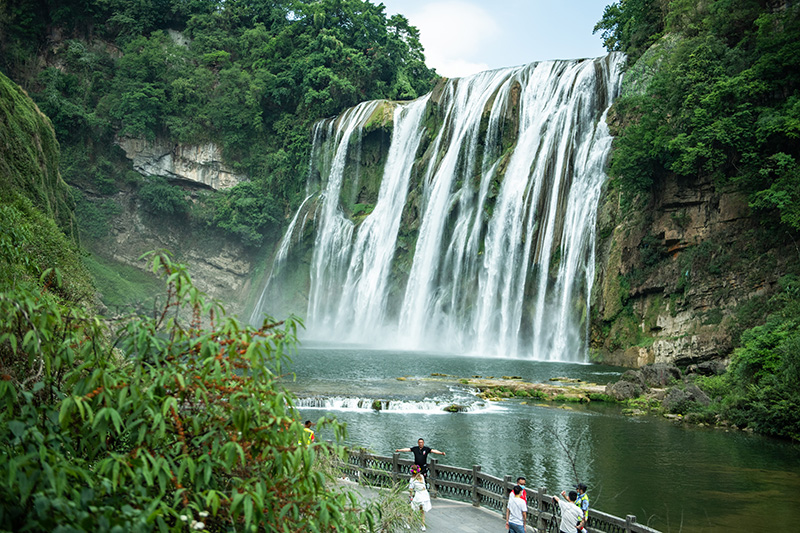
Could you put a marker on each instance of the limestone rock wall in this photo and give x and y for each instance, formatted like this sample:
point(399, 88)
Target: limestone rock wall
point(220, 268)
point(674, 272)
point(200, 164)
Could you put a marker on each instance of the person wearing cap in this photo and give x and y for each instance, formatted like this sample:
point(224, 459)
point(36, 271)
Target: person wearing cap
point(308, 433)
point(583, 501)
point(515, 511)
point(420, 499)
point(421, 453)
point(571, 515)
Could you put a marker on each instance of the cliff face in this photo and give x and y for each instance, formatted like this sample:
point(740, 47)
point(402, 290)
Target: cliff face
point(680, 272)
point(219, 267)
point(195, 164)
point(674, 274)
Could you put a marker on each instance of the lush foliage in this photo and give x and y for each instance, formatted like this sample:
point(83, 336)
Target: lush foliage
point(724, 100)
point(30, 156)
point(161, 198)
point(759, 390)
point(631, 26)
point(250, 76)
point(32, 198)
point(246, 211)
point(160, 424)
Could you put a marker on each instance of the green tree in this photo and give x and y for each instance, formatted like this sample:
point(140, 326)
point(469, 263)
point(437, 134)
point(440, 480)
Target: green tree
point(631, 26)
point(247, 211)
point(723, 102)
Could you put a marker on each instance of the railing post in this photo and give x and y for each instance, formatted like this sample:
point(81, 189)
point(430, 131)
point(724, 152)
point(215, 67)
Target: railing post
point(432, 477)
point(507, 486)
point(476, 499)
point(395, 468)
point(629, 521)
point(362, 465)
point(540, 523)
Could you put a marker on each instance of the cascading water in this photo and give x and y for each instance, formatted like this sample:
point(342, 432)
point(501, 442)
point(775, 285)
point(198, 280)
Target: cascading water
point(499, 176)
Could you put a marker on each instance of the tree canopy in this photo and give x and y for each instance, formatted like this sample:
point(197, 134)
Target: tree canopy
point(723, 99)
point(251, 76)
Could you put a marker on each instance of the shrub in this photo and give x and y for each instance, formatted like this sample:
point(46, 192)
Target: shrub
point(247, 211)
point(166, 419)
point(161, 198)
point(600, 397)
point(539, 395)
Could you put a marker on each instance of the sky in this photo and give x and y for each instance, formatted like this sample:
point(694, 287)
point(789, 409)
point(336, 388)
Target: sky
point(462, 37)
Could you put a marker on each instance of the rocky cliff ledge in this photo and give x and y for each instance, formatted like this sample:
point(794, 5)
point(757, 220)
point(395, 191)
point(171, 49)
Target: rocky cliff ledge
point(198, 164)
point(677, 273)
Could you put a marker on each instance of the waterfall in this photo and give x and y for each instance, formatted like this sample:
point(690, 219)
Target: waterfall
point(498, 178)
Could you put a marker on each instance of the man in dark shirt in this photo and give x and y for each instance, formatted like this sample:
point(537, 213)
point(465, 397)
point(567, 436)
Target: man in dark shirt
point(421, 455)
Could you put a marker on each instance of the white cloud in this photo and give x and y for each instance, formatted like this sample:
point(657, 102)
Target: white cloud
point(451, 31)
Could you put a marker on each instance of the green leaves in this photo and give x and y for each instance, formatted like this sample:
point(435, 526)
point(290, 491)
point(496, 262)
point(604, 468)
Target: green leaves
point(247, 210)
point(723, 103)
point(189, 421)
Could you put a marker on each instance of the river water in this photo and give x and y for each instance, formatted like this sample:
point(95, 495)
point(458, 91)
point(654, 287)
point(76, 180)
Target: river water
point(672, 477)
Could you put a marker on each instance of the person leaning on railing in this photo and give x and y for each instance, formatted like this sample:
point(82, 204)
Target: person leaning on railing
point(571, 514)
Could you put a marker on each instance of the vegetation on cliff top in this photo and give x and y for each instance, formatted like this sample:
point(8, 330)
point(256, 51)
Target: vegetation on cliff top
point(723, 99)
point(250, 76)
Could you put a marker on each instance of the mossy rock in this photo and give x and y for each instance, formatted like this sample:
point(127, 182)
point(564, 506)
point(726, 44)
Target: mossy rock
point(381, 118)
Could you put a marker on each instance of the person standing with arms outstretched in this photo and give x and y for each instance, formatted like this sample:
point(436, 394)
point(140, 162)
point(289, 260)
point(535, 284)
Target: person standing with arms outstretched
point(421, 453)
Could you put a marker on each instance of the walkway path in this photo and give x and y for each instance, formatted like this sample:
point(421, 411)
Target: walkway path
point(450, 516)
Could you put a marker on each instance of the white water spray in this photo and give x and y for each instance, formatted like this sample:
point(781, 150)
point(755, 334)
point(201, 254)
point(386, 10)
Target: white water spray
point(503, 261)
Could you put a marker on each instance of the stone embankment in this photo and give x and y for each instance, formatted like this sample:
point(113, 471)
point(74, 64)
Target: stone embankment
point(504, 387)
point(658, 388)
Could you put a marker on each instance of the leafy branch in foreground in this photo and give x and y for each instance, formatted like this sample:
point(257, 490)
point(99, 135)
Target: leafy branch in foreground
point(172, 422)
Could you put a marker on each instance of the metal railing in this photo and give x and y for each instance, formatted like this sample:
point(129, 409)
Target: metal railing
point(480, 489)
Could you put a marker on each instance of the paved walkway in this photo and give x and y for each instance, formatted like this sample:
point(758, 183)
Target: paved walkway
point(449, 516)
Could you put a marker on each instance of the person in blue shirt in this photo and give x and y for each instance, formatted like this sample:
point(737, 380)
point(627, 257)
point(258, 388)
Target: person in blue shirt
point(583, 501)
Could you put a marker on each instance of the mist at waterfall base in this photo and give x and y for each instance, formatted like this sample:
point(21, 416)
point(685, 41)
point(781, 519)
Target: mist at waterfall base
point(672, 477)
point(481, 238)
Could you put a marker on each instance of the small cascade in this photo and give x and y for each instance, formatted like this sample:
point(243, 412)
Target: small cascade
point(427, 406)
point(497, 179)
